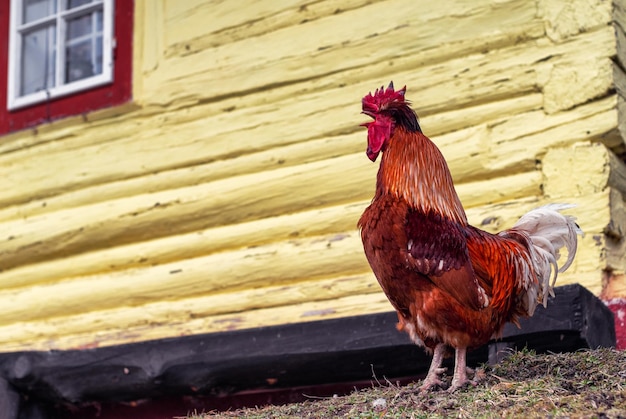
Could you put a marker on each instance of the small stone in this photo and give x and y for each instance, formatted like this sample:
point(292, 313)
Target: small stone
point(379, 404)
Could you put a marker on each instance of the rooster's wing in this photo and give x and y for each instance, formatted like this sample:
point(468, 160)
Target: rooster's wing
point(437, 249)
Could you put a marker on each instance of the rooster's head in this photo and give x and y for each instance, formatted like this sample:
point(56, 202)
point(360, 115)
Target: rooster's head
point(388, 108)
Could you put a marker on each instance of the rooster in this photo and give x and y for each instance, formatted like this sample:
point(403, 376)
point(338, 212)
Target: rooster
point(453, 285)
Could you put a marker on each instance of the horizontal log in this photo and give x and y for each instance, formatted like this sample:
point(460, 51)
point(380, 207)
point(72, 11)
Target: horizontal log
point(564, 19)
point(308, 311)
point(454, 121)
point(619, 77)
point(196, 26)
point(325, 221)
point(280, 263)
point(619, 23)
point(586, 168)
point(615, 243)
point(343, 39)
point(176, 313)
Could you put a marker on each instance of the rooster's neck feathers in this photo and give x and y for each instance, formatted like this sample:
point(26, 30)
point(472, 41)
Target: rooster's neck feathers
point(413, 169)
point(406, 118)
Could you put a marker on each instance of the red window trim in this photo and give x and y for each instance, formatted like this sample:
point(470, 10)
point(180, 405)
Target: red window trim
point(116, 93)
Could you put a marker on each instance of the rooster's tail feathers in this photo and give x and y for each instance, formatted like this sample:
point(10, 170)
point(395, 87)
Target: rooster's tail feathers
point(549, 231)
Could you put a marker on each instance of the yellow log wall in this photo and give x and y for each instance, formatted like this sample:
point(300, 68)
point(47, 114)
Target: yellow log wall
point(226, 195)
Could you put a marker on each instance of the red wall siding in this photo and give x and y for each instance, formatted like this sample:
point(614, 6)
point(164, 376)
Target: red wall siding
point(618, 307)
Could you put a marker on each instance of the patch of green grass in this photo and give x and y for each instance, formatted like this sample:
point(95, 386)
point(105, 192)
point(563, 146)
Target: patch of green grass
point(584, 384)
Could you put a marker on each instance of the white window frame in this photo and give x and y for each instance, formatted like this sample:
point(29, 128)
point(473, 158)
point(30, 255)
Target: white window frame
point(16, 28)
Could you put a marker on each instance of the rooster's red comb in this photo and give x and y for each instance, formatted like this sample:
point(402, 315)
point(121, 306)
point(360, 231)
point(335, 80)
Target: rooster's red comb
point(382, 98)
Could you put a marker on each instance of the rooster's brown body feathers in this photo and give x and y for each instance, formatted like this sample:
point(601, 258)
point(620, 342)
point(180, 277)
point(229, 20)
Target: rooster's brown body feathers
point(453, 285)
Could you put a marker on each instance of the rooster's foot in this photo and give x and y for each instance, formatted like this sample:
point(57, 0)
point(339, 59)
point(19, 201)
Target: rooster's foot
point(479, 375)
point(435, 370)
point(457, 385)
point(432, 380)
point(460, 379)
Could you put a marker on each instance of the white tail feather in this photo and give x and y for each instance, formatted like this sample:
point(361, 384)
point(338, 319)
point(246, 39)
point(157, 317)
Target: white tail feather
point(549, 231)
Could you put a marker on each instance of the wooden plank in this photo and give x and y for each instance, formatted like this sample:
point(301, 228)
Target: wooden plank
point(317, 222)
point(290, 355)
point(619, 77)
point(619, 23)
point(586, 168)
point(276, 264)
point(9, 401)
point(613, 278)
point(593, 320)
point(171, 315)
point(341, 39)
point(565, 18)
point(592, 77)
point(199, 25)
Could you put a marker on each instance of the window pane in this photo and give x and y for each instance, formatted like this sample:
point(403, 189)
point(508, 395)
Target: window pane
point(83, 59)
point(78, 27)
point(38, 58)
point(99, 21)
point(98, 57)
point(37, 9)
point(83, 50)
point(75, 3)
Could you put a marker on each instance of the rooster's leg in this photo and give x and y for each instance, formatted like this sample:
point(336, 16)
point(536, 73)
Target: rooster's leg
point(460, 370)
point(432, 379)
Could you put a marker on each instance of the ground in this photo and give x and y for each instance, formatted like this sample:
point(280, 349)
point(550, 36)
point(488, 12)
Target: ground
point(584, 384)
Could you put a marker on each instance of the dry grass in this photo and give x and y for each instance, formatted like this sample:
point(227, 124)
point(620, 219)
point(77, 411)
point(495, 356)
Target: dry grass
point(585, 384)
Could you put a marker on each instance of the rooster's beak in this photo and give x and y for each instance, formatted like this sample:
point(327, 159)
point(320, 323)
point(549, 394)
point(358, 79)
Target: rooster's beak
point(371, 115)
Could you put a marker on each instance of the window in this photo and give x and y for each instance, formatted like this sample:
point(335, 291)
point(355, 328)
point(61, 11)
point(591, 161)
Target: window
point(62, 57)
point(58, 47)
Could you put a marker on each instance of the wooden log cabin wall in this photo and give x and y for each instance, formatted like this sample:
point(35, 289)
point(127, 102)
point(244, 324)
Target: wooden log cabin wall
point(224, 195)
